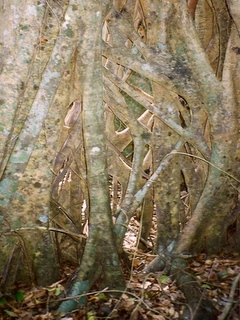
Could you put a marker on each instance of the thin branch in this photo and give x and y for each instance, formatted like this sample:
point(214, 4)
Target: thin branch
point(228, 305)
point(76, 235)
point(208, 162)
point(187, 134)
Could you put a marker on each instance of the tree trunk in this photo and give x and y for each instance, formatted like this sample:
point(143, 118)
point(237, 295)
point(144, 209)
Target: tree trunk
point(144, 91)
point(100, 256)
point(26, 175)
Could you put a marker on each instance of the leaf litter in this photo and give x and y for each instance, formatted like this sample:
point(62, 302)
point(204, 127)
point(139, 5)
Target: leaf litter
point(152, 296)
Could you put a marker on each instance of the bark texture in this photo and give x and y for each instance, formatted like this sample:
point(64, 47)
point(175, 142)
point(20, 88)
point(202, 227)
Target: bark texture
point(100, 255)
point(139, 95)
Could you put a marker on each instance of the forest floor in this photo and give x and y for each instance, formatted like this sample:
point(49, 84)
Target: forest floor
point(152, 296)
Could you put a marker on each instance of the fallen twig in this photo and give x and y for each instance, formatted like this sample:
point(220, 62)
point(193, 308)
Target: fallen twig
point(230, 301)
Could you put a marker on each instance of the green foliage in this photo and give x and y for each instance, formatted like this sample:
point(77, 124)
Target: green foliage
point(206, 286)
point(3, 301)
point(163, 279)
point(102, 296)
point(11, 314)
point(19, 296)
point(90, 316)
